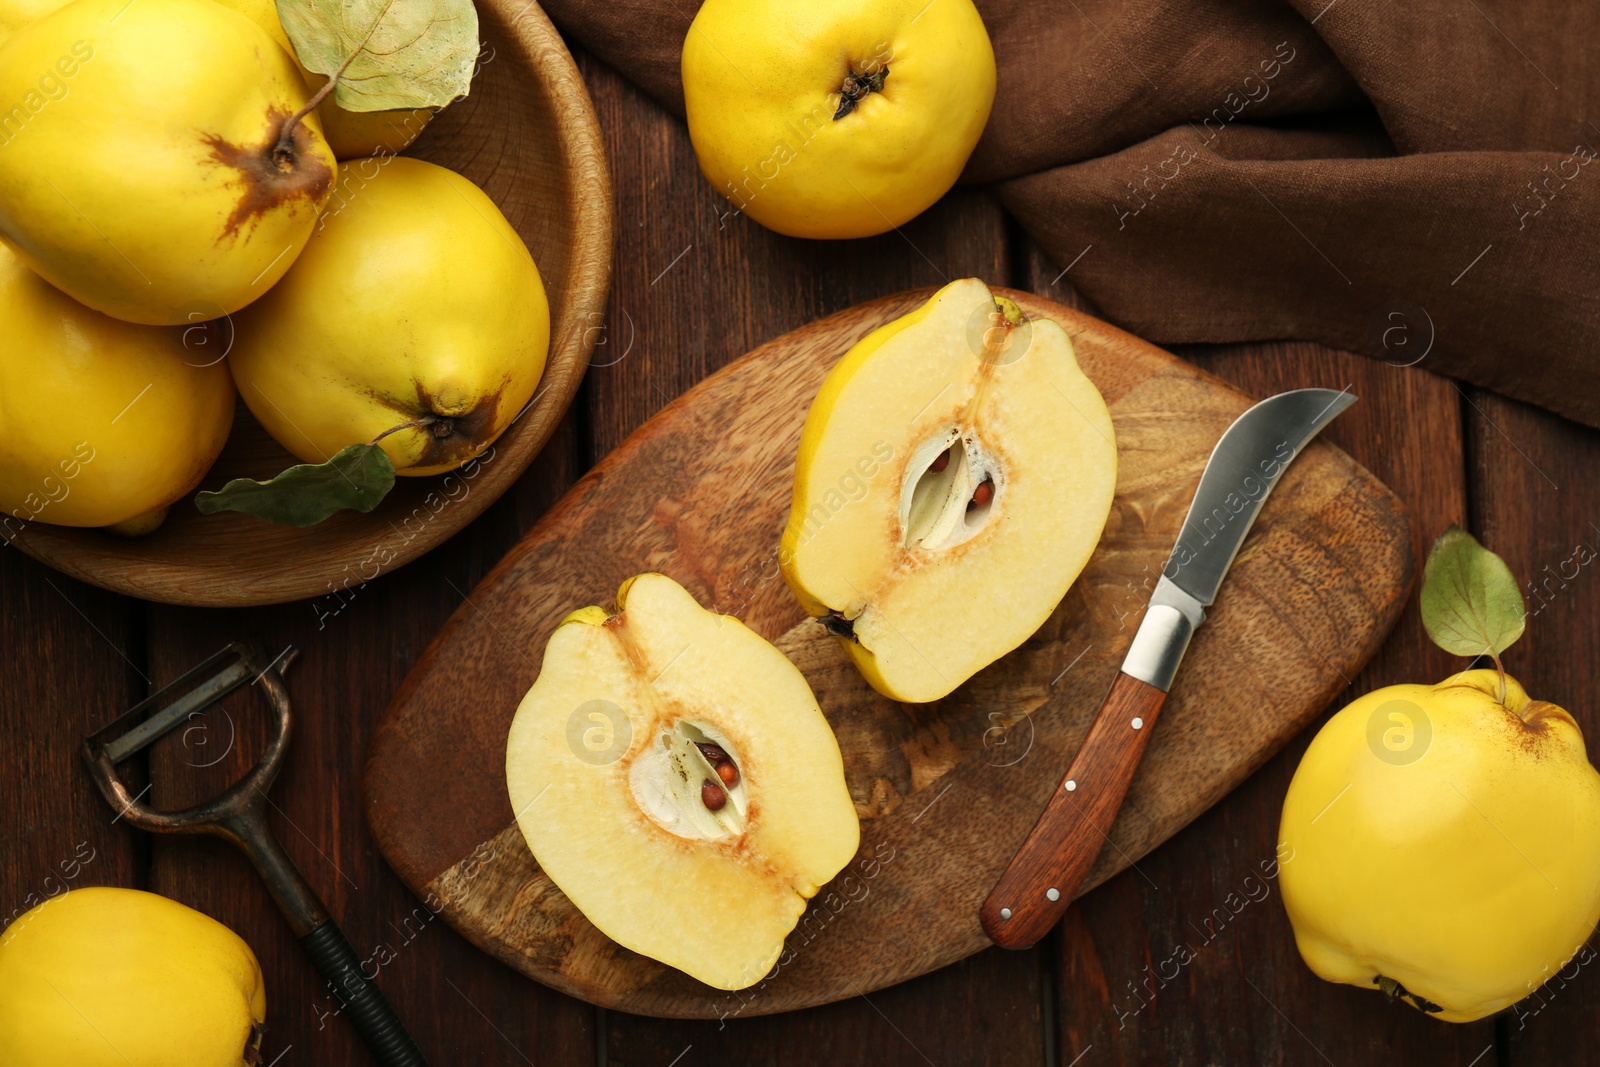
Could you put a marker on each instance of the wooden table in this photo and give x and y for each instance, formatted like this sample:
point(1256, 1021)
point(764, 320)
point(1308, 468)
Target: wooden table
point(692, 292)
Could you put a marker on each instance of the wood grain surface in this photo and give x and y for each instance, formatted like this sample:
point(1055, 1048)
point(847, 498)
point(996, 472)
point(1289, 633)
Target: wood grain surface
point(693, 290)
point(701, 493)
point(527, 135)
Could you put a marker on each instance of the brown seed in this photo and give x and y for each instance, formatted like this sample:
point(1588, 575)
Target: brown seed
point(984, 493)
point(712, 796)
point(941, 463)
point(728, 773)
point(713, 753)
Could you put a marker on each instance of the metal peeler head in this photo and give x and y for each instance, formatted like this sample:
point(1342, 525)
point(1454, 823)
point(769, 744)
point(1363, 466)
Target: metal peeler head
point(163, 711)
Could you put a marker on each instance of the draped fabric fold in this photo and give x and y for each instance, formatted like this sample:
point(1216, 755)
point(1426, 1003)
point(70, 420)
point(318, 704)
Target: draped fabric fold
point(1409, 181)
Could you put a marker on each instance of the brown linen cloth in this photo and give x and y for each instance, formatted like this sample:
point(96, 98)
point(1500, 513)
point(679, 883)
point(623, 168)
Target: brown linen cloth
point(1408, 180)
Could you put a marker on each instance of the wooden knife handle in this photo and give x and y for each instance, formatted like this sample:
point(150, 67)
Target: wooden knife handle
point(1047, 870)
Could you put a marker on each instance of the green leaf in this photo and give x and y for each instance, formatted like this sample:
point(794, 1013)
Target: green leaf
point(1471, 605)
point(358, 477)
point(386, 54)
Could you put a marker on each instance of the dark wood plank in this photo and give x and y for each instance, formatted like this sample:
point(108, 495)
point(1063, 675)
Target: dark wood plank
point(984, 1012)
point(69, 665)
point(1244, 996)
point(1535, 500)
point(459, 1005)
point(673, 321)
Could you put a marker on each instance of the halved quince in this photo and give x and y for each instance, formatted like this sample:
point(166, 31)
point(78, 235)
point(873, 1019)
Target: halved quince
point(954, 476)
point(673, 775)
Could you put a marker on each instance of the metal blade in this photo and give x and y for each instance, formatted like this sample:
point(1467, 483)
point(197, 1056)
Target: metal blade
point(1247, 462)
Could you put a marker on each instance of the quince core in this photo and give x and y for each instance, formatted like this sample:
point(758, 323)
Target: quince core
point(673, 775)
point(955, 473)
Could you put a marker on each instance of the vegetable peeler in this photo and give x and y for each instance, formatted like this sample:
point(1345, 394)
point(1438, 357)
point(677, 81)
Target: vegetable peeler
point(239, 816)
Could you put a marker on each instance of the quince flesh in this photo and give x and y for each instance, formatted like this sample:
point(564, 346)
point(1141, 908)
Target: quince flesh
point(955, 473)
point(612, 770)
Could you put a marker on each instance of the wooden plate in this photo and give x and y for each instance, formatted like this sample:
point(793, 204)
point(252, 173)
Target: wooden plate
point(945, 791)
point(527, 135)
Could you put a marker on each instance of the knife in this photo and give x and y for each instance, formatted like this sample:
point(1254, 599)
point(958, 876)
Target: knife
point(1045, 874)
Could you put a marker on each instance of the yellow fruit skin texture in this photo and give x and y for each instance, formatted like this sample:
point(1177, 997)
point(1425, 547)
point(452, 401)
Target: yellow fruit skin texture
point(416, 296)
point(761, 81)
point(351, 134)
point(104, 977)
point(101, 421)
point(1471, 875)
point(15, 14)
point(133, 157)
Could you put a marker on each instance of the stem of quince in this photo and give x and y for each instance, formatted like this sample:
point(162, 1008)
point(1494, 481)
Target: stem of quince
point(414, 424)
point(1501, 668)
point(252, 1048)
point(283, 151)
point(856, 87)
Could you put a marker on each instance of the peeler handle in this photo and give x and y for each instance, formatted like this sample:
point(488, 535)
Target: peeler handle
point(380, 1029)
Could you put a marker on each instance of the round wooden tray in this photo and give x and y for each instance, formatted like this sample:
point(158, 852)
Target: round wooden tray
point(527, 135)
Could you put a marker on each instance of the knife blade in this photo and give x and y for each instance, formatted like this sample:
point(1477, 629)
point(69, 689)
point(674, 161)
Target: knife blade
point(1247, 462)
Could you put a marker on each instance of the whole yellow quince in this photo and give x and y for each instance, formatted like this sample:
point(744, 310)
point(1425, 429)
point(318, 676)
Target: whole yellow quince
point(1444, 845)
point(102, 422)
point(415, 316)
point(104, 977)
point(140, 164)
point(836, 118)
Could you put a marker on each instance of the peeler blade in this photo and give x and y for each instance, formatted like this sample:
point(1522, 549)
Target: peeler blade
point(198, 688)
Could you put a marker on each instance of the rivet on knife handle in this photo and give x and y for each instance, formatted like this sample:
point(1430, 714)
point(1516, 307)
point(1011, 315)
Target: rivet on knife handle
point(1047, 871)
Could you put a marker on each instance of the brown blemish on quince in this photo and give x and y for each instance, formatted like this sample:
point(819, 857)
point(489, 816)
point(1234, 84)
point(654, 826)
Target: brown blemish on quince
point(1538, 713)
point(1537, 719)
point(450, 440)
point(265, 185)
point(457, 438)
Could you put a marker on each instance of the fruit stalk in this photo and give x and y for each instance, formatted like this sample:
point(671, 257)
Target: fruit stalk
point(283, 151)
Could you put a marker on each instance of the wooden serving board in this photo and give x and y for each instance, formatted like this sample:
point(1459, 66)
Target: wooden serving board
point(945, 791)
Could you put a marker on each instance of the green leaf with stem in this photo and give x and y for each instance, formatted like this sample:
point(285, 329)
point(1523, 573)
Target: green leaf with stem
point(358, 478)
point(1471, 605)
point(380, 55)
